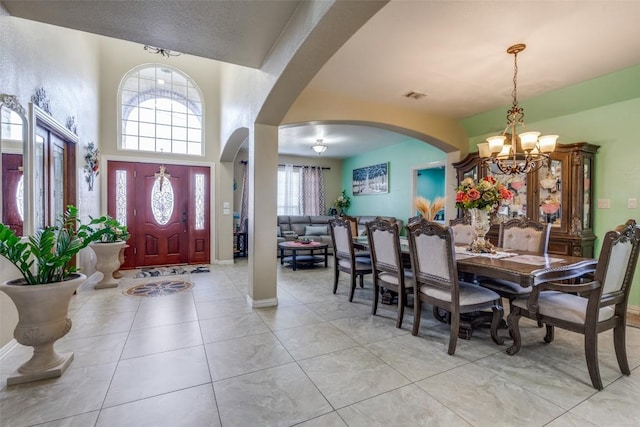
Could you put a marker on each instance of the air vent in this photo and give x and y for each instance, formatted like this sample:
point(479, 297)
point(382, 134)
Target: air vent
point(413, 94)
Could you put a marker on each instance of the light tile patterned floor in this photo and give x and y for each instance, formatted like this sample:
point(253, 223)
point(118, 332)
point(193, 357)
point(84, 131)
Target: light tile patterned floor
point(204, 358)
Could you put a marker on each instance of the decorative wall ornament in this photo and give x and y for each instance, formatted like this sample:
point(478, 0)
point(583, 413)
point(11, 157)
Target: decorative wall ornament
point(41, 99)
point(91, 164)
point(12, 103)
point(71, 124)
point(162, 175)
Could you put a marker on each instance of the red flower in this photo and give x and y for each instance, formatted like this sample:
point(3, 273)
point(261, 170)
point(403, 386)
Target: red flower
point(505, 194)
point(490, 179)
point(459, 196)
point(473, 194)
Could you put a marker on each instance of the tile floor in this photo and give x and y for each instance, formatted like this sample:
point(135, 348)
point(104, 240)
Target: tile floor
point(204, 358)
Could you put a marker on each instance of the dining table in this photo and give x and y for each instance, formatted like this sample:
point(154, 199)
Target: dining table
point(525, 268)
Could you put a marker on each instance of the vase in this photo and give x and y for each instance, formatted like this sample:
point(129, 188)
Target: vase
point(481, 224)
point(107, 261)
point(117, 274)
point(42, 320)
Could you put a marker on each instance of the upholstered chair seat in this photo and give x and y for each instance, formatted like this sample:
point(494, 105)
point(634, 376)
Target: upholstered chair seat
point(463, 234)
point(588, 308)
point(435, 275)
point(388, 268)
point(344, 257)
point(518, 235)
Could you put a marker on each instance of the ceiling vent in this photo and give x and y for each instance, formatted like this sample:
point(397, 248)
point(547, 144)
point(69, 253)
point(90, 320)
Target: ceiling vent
point(413, 94)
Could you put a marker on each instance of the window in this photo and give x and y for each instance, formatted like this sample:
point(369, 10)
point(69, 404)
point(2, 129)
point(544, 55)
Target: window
point(288, 191)
point(160, 110)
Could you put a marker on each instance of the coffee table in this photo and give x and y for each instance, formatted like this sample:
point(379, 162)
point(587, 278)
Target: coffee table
point(308, 255)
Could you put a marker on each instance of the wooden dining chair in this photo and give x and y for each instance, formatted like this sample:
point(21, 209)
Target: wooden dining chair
point(588, 308)
point(386, 261)
point(463, 233)
point(435, 274)
point(519, 234)
point(344, 256)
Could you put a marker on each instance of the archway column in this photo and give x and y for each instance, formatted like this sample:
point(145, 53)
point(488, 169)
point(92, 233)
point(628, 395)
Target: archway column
point(263, 177)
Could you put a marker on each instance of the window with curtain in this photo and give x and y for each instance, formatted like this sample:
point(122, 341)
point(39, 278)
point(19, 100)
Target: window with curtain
point(160, 110)
point(300, 190)
point(289, 191)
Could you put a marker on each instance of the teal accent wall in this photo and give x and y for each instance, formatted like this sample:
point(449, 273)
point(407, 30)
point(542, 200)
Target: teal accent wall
point(615, 127)
point(430, 183)
point(403, 158)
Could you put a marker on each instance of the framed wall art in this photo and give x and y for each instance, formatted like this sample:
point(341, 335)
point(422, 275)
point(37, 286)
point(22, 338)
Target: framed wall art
point(371, 179)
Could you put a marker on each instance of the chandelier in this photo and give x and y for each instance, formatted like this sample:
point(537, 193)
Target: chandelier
point(319, 147)
point(160, 51)
point(526, 152)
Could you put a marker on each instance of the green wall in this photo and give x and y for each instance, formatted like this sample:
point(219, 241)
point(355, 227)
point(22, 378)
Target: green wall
point(403, 158)
point(430, 183)
point(615, 127)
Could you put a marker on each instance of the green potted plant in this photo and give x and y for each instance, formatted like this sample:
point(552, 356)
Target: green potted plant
point(342, 203)
point(42, 294)
point(108, 249)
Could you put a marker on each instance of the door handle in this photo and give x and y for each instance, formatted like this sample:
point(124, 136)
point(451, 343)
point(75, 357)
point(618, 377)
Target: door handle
point(184, 220)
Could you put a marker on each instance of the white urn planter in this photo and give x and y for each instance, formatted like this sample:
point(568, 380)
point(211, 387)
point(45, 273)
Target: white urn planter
point(42, 320)
point(107, 262)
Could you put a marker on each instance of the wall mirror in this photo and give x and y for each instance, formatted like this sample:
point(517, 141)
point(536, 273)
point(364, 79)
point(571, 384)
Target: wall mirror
point(13, 146)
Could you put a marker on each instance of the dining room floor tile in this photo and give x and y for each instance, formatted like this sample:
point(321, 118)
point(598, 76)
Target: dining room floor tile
point(204, 357)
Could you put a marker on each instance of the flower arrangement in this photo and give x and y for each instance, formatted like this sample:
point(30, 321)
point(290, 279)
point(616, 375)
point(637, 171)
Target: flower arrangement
point(91, 164)
point(343, 202)
point(485, 194)
point(427, 209)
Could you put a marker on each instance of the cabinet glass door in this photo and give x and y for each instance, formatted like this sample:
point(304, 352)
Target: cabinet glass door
point(517, 184)
point(586, 196)
point(550, 201)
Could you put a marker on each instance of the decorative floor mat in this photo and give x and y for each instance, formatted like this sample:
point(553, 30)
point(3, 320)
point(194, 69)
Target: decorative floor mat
point(159, 288)
point(171, 271)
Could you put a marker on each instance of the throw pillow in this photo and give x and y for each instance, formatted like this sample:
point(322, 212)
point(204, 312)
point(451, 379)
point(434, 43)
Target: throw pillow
point(279, 233)
point(313, 230)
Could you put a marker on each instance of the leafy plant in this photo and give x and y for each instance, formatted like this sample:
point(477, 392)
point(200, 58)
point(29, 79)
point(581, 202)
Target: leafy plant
point(343, 201)
point(113, 231)
point(50, 250)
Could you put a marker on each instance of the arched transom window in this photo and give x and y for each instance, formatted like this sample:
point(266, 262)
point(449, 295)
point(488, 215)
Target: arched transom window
point(160, 110)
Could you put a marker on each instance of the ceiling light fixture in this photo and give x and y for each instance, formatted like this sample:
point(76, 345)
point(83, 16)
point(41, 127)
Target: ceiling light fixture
point(160, 51)
point(527, 151)
point(319, 147)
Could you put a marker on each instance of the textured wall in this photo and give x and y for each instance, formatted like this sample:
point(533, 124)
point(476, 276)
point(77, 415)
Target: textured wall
point(65, 63)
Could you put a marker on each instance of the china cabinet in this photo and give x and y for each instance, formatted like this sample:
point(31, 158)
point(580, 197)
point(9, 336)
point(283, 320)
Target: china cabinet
point(560, 193)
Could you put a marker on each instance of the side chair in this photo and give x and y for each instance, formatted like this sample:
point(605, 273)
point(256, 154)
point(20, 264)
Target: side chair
point(588, 308)
point(524, 235)
point(386, 260)
point(344, 256)
point(463, 233)
point(435, 274)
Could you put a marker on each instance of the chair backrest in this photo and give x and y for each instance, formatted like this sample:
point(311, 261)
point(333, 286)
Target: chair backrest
point(525, 235)
point(618, 260)
point(354, 224)
point(342, 238)
point(384, 246)
point(433, 255)
point(463, 233)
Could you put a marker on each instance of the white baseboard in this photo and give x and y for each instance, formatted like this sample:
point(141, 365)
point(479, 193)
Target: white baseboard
point(225, 262)
point(633, 309)
point(7, 348)
point(262, 303)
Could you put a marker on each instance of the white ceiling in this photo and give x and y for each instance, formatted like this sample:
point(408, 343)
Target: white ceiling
point(454, 51)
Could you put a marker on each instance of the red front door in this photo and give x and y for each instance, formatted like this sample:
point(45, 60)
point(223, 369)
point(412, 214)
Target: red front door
point(167, 213)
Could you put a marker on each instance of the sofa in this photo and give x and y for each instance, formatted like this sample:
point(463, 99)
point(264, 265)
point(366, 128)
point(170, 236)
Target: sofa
point(316, 228)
